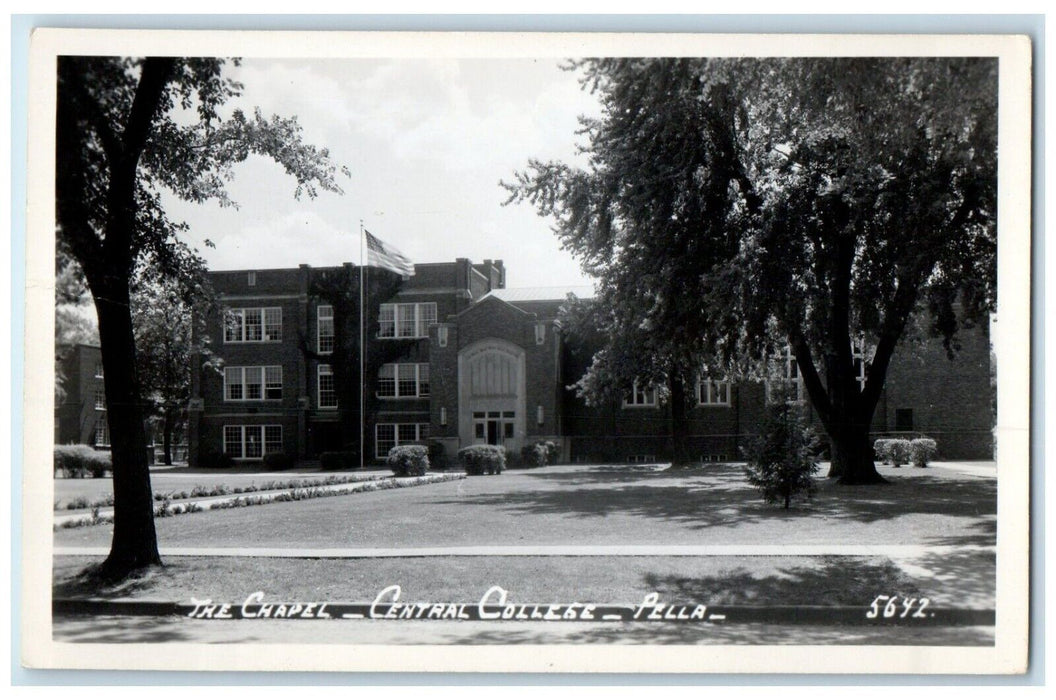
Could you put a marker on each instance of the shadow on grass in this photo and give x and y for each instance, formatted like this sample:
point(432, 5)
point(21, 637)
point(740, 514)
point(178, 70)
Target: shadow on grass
point(87, 583)
point(829, 581)
point(722, 497)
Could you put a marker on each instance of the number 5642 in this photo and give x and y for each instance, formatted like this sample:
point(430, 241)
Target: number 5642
point(894, 606)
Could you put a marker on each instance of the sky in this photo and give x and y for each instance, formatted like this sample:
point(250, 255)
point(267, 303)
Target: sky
point(426, 141)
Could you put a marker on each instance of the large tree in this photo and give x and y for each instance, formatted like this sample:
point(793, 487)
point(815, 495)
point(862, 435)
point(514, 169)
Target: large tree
point(340, 288)
point(128, 130)
point(732, 206)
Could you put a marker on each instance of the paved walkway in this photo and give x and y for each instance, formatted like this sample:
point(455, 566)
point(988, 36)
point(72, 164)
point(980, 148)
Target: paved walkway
point(819, 550)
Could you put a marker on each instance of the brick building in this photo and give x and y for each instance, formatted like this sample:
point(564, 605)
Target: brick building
point(489, 365)
point(80, 408)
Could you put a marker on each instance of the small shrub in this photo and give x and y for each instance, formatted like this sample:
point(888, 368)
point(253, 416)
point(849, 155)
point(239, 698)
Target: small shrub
point(899, 452)
point(534, 455)
point(408, 460)
point(552, 452)
point(80, 461)
point(279, 461)
point(483, 459)
point(922, 451)
point(882, 450)
point(335, 461)
point(782, 461)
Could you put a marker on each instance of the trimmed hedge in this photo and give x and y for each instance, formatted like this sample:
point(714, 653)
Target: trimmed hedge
point(483, 459)
point(534, 455)
point(279, 461)
point(408, 460)
point(895, 452)
point(80, 461)
point(332, 461)
point(922, 451)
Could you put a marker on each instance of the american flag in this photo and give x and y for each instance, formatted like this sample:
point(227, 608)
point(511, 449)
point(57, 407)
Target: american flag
point(381, 254)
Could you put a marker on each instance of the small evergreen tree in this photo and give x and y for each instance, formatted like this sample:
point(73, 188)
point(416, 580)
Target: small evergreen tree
point(782, 460)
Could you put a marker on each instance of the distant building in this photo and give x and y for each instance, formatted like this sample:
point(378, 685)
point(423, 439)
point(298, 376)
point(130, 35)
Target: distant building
point(80, 415)
point(491, 366)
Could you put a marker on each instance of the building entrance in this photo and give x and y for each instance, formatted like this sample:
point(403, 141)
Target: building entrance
point(493, 427)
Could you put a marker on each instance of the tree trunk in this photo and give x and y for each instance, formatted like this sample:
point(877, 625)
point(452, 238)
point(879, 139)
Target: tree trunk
point(852, 456)
point(679, 423)
point(166, 435)
point(135, 542)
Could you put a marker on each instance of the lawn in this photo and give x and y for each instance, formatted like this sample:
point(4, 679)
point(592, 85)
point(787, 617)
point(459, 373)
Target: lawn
point(599, 505)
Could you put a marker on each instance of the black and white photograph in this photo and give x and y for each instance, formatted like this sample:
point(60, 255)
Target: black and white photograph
point(527, 352)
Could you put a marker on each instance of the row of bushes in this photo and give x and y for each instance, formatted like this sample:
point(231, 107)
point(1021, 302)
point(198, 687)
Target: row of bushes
point(413, 460)
point(898, 451)
point(81, 461)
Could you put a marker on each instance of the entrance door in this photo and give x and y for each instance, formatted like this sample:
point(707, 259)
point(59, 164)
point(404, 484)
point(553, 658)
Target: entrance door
point(493, 432)
point(493, 427)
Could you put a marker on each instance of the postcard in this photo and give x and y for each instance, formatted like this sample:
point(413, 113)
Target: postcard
point(527, 352)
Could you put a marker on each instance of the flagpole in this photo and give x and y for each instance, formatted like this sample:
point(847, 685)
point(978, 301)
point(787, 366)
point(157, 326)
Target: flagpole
point(362, 353)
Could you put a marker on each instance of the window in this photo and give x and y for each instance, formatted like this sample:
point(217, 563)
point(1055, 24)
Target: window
point(98, 370)
point(252, 441)
point(858, 358)
point(540, 333)
point(253, 325)
point(406, 320)
point(324, 332)
point(401, 381)
point(327, 388)
point(389, 435)
point(273, 383)
point(784, 377)
point(100, 398)
point(641, 395)
point(253, 383)
point(711, 392)
point(102, 431)
point(251, 279)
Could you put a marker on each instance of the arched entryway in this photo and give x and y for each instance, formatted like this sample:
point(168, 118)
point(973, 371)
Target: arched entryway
point(491, 394)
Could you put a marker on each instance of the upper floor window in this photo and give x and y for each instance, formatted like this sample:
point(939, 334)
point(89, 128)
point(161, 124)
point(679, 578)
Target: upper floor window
point(410, 380)
point(251, 279)
point(262, 325)
point(785, 381)
point(98, 370)
point(406, 320)
point(100, 398)
point(253, 383)
point(641, 395)
point(858, 360)
point(327, 388)
point(712, 392)
point(325, 329)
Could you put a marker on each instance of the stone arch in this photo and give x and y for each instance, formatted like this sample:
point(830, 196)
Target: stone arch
point(491, 394)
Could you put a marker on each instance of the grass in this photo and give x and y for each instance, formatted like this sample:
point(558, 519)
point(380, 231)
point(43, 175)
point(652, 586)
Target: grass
point(603, 506)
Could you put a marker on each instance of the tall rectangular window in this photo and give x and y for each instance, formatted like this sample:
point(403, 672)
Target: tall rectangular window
point(254, 383)
point(406, 320)
point(100, 398)
point(327, 388)
point(98, 370)
point(102, 431)
point(325, 329)
point(233, 441)
point(259, 325)
point(273, 383)
point(784, 382)
point(272, 439)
